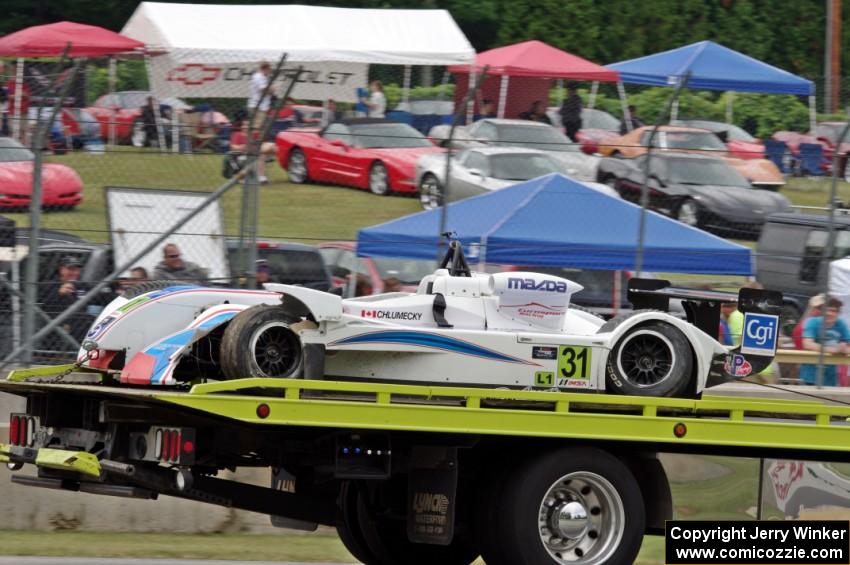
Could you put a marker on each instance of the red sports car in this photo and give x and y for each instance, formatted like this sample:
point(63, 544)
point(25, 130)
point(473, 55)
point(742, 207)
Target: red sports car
point(61, 186)
point(371, 153)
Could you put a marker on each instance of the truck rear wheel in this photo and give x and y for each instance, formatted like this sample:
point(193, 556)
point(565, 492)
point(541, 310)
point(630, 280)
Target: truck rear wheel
point(258, 342)
point(348, 525)
point(576, 506)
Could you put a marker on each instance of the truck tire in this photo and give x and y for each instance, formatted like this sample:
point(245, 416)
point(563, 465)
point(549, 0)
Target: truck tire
point(386, 539)
point(258, 342)
point(652, 359)
point(348, 524)
point(576, 506)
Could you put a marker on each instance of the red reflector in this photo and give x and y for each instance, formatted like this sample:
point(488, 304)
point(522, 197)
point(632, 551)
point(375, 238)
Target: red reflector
point(14, 428)
point(175, 447)
point(188, 446)
point(263, 411)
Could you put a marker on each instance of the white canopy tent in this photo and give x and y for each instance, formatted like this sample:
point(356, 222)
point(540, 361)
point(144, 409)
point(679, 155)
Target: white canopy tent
point(211, 50)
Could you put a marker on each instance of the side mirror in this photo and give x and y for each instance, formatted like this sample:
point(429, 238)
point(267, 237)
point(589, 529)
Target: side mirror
point(475, 172)
point(339, 143)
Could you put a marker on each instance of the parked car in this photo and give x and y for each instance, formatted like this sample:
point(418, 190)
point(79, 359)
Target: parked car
point(760, 172)
point(61, 186)
point(739, 142)
point(477, 171)
point(597, 126)
point(290, 263)
point(341, 258)
point(522, 133)
point(698, 190)
point(826, 135)
point(792, 256)
point(370, 153)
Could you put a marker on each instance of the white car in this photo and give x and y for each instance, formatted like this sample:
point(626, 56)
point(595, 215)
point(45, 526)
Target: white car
point(510, 329)
point(522, 133)
point(481, 170)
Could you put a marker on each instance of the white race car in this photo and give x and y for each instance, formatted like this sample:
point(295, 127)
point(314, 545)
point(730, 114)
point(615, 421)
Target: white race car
point(512, 329)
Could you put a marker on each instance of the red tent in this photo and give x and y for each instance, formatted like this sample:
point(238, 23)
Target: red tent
point(530, 65)
point(50, 40)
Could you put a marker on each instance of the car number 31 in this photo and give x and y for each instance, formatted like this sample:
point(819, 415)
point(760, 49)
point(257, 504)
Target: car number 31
point(573, 362)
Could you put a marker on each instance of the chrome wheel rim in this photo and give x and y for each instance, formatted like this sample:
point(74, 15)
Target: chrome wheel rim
point(581, 519)
point(429, 193)
point(378, 179)
point(297, 167)
point(646, 358)
point(275, 349)
point(688, 213)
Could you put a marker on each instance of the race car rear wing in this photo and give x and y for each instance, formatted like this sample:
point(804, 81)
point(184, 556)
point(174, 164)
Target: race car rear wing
point(761, 310)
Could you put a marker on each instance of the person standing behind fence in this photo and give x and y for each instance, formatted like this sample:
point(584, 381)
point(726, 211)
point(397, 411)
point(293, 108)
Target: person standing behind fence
point(377, 102)
point(256, 100)
point(836, 335)
point(174, 268)
point(571, 112)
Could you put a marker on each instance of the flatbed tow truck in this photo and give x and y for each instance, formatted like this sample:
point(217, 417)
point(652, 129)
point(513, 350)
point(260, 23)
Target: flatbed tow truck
point(406, 474)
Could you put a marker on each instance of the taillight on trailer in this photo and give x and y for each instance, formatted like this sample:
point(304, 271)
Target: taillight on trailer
point(14, 429)
point(166, 445)
point(22, 430)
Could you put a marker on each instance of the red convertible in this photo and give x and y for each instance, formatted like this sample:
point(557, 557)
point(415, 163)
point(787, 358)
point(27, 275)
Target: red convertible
point(372, 153)
point(61, 187)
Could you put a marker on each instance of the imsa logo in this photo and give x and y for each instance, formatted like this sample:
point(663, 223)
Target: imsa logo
point(545, 285)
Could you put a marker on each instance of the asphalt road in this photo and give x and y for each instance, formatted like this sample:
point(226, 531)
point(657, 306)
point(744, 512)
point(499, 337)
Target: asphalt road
point(114, 561)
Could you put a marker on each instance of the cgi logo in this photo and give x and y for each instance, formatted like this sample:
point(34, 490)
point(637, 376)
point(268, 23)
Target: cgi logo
point(760, 333)
point(545, 285)
point(193, 74)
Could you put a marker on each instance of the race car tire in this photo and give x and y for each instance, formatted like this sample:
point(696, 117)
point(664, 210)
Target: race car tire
point(430, 192)
point(296, 167)
point(387, 539)
point(379, 182)
point(348, 524)
point(576, 505)
point(150, 286)
point(258, 342)
point(653, 359)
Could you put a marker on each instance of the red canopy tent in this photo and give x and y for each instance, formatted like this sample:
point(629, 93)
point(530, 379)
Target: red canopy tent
point(528, 67)
point(50, 40)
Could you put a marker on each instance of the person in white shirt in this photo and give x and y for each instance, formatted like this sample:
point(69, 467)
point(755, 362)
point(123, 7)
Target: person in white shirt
point(259, 81)
point(377, 102)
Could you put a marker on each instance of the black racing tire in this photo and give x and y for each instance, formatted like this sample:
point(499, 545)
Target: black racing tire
point(430, 192)
point(379, 180)
point(348, 524)
point(296, 167)
point(653, 359)
point(575, 505)
point(259, 343)
point(150, 286)
point(138, 133)
point(386, 538)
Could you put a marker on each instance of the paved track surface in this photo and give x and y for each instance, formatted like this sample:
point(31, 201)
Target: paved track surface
point(11, 560)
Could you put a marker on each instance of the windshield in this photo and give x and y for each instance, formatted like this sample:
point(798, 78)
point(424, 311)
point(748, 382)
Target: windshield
point(597, 119)
point(522, 166)
point(373, 136)
point(408, 271)
point(11, 150)
point(833, 131)
point(691, 140)
point(734, 132)
point(534, 137)
point(705, 171)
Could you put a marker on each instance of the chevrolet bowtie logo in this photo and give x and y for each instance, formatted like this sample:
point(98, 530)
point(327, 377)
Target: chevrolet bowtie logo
point(193, 74)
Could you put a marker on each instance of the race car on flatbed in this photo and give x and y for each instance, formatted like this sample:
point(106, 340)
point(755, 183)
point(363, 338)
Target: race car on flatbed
point(506, 330)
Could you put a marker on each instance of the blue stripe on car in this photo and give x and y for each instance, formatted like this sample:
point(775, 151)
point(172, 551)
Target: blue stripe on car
point(434, 341)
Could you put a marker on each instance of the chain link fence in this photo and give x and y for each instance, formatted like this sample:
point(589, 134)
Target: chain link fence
point(122, 166)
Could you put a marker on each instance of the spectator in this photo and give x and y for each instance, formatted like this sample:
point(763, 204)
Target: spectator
point(813, 309)
point(392, 284)
point(835, 338)
point(264, 273)
point(333, 114)
point(362, 285)
point(377, 102)
point(256, 100)
point(725, 334)
point(486, 110)
point(174, 268)
point(138, 275)
point(148, 118)
point(239, 144)
point(633, 123)
point(535, 113)
point(57, 296)
point(571, 112)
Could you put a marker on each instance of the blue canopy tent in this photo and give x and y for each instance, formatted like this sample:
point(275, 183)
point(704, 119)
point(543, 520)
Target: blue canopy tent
point(554, 221)
point(714, 67)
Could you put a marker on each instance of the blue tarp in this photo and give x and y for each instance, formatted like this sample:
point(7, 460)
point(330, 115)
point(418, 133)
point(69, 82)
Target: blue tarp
point(558, 222)
point(712, 67)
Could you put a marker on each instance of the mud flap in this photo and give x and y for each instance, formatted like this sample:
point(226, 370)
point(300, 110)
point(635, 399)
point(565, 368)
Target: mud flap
point(431, 492)
point(284, 481)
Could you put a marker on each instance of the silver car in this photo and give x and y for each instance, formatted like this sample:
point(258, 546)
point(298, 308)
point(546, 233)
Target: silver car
point(484, 169)
point(522, 133)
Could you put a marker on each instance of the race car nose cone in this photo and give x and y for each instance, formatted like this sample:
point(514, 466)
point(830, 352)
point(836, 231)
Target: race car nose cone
point(571, 520)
